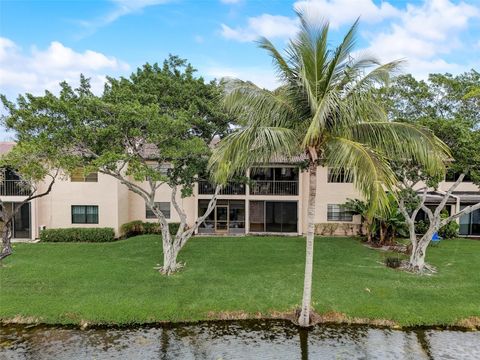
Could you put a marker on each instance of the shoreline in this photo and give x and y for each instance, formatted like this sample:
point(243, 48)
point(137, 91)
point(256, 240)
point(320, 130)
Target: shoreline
point(325, 319)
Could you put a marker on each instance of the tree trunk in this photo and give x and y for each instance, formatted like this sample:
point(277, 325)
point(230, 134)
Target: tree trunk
point(304, 319)
point(419, 249)
point(170, 252)
point(6, 241)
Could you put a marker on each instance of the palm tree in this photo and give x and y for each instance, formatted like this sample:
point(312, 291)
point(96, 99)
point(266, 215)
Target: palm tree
point(325, 109)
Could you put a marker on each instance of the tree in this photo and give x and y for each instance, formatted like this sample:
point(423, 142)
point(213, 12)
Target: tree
point(325, 110)
point(442, 96)
point(449, 106)
point(151, 129)
point(465, 146)
point(37, 169)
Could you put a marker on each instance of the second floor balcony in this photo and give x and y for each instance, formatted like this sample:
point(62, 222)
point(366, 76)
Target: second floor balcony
point(263, 181)
point(274, 187)
point(206, 188)
point(14, 188)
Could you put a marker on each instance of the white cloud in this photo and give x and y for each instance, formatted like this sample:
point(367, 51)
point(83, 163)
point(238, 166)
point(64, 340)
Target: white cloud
point(199, 39)
point(341, 12)
point(270, 26)
point(337, 12)
point(230, 1)
point(264, 78)
point(122, 8)
point(39, 70)
point(424, 34)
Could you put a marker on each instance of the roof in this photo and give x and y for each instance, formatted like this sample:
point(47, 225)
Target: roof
point(6, 146)
point(466, 197)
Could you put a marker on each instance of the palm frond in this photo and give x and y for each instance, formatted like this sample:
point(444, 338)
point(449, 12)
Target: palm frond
point(246, 98)
point(248, 146)
point(370, 170)
point(404, 141)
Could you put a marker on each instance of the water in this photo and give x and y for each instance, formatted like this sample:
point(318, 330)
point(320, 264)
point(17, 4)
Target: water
point(236, 340)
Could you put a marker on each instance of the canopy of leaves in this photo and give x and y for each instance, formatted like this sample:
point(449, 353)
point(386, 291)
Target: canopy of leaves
point(442, 96)
point(447, 105)
point(159, 115)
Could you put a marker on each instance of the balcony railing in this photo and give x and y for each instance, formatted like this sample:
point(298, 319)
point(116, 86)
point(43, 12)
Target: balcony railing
point(14, 188)
point(271, 187)
point(206, 188)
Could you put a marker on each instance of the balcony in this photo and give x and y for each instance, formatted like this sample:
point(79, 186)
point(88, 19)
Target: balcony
point(14, 188)
point(206, 188)
point(274, 187)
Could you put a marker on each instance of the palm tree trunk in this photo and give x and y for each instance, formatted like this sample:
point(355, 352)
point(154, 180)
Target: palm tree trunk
point(304, 319)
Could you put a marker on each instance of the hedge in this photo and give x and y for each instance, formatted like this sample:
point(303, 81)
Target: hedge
point(78, 235)
point(137, 227)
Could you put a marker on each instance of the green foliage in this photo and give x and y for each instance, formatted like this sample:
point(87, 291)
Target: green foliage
point(159, 115)
point(447, 105)
point(449, 231)
point(393, 262)
point(138, 227)
point(442, 96)
point(78, 235)
point(68, 283)
point(421, 227)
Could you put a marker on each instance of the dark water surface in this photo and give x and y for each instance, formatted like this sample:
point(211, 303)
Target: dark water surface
point(236, 340)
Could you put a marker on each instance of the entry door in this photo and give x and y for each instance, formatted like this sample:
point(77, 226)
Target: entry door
point(221, 218)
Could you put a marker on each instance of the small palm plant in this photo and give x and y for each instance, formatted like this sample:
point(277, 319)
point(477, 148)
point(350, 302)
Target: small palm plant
point(324, 109)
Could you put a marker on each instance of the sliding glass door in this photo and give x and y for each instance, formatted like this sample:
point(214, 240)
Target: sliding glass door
point(470, 223)
point(273, 216)
point(227, 217)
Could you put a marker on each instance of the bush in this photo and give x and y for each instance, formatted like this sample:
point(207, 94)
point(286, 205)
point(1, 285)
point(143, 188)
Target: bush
point(137, 227)
point(78, 235)
point(421, 227)
point(449, 231)
point(393, 262)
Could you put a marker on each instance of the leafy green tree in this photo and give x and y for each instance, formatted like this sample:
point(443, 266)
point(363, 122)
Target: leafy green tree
point(326, 110)
point(147, 131)
point(414, 183)
point(442, 96)
point(448, 105)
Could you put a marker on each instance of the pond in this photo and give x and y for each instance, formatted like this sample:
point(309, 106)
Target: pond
point(236, 340)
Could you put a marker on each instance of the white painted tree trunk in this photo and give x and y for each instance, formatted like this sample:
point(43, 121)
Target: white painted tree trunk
point(170, 253)
point(304, 319)
point(419, 250)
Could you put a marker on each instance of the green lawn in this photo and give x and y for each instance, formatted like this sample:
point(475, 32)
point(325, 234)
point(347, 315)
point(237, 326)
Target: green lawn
point(116, 282)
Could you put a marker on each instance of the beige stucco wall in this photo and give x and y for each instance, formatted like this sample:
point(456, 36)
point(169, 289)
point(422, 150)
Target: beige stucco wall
point(54, 210)
point(117, 205)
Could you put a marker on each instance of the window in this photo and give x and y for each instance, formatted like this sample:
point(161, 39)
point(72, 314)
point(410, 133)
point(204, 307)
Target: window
point(84, 214)
point(338, 213)
point(78, 175)
point(164, 208)
point(339, 176)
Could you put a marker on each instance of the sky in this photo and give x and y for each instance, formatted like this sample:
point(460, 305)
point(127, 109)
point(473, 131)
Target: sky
point(45, 42)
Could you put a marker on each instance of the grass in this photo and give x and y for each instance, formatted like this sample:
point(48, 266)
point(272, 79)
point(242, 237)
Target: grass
point(115, 283)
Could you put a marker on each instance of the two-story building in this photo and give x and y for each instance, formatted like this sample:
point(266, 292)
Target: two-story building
point(273, 201)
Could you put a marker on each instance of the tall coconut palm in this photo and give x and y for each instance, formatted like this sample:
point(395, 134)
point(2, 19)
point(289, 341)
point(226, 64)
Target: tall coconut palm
point(324, 109)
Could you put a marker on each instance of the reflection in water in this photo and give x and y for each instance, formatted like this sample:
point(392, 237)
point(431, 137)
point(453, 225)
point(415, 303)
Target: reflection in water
point(236, 340)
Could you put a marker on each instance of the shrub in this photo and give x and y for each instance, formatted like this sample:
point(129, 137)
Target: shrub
point(393, 262)
point(78, 235)
point(421, 227)
point(173, 228)
point(449, 231)
point(137, 227)
point(132, 228)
